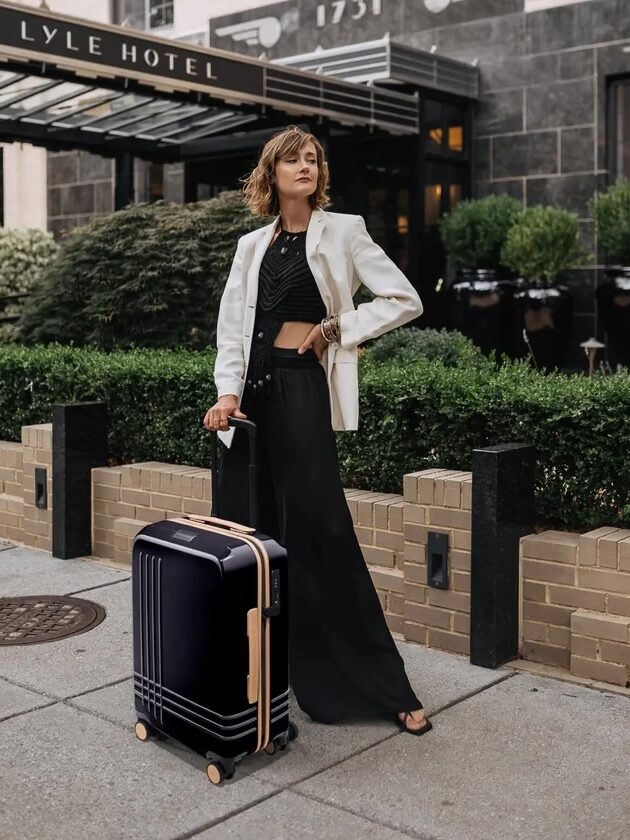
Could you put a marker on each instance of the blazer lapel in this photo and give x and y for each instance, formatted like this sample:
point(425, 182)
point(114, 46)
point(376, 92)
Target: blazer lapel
point(316, 226)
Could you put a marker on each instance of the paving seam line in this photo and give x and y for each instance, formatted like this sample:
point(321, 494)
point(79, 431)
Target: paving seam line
point(28, 711)
point(406, 832)
point(98, 586)
point(194, 831)
point(398, 732)
point(53, 697)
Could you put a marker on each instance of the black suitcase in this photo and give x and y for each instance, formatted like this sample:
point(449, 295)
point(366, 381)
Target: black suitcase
point(210, 633)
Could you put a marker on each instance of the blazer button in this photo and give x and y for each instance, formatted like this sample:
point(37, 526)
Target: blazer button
point(268, 377)
point(260, 334)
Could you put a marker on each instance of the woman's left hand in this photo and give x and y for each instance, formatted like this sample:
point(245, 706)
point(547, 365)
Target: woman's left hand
point(316, 340)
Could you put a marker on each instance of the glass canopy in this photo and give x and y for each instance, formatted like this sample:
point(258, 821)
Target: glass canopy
point(59, 106)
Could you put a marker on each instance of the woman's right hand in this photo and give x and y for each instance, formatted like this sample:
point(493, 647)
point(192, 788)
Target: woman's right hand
point(226, 406)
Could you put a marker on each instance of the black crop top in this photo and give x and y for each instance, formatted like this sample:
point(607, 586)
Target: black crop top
point(287, 291)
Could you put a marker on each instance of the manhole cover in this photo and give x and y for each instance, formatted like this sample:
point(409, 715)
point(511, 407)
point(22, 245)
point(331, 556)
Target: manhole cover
point(30, 619)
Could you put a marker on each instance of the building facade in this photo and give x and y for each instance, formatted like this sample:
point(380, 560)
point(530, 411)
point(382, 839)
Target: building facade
point(550, 124)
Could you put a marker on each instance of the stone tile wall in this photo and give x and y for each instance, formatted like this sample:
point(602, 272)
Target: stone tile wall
point(540, 127)
point(80, 188)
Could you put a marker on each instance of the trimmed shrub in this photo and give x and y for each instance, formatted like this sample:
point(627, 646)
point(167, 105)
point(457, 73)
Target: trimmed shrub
point(611, 212)
point(408, 344)
point(474, 232)
point(150, 275)
point(543, 242)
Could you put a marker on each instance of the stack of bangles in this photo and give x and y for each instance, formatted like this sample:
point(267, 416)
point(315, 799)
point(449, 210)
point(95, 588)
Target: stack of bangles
point(331, 329)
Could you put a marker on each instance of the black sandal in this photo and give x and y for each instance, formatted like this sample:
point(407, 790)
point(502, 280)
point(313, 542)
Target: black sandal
point(402, 725)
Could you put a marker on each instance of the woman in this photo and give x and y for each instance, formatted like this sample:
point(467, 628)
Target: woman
point(287, 309)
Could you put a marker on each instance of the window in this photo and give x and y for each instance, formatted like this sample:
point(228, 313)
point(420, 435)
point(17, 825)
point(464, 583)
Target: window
point(159, 13)
point(619, 137)
point(129, 12)
point(444, 127)
point(148, 181)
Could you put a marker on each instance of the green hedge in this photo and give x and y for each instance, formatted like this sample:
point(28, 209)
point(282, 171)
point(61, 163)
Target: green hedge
point(415, 416)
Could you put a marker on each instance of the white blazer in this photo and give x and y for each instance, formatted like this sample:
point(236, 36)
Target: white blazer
point(342, 255)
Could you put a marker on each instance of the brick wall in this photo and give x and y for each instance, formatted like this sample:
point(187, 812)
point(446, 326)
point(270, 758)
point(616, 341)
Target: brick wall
point(391, 530)
point(575, 587)
point(20, 518)
point(125, 498)
point(576, 602)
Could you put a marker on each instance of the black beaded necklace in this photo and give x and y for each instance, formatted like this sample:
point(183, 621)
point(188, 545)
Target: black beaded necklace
point(289, 240)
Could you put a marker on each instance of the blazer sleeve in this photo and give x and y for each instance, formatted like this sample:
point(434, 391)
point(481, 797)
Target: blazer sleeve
point(229, 366)
point(396, 300)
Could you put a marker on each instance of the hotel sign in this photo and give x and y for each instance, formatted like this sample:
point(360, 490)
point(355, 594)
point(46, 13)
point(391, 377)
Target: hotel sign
point(114, 55)
point(68, 41)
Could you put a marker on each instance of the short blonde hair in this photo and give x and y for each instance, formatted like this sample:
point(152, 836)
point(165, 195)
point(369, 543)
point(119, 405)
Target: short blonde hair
point(260, 193)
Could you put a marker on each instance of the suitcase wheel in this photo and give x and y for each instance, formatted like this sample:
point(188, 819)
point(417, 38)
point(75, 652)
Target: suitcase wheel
point(217, 772)
point(143, 730)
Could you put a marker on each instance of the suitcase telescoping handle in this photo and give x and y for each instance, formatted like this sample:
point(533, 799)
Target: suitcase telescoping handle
point(250, 428)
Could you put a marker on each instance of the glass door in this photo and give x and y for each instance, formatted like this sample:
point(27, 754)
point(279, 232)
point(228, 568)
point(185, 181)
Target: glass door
point(444, 186)
point(375, 178)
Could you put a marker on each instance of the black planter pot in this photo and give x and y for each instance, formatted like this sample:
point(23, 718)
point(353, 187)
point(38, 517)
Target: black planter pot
point(546, 315)
point(479, 306)
point(613, 298)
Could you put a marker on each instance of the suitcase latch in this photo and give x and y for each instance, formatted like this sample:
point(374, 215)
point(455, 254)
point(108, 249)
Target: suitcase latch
point(274, 601)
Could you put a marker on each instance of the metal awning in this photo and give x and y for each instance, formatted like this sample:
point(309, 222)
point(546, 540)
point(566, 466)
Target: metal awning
point(70, 82)
point(388, 62)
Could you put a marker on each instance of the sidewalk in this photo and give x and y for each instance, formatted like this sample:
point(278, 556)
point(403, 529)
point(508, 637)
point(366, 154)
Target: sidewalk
point(512, 755)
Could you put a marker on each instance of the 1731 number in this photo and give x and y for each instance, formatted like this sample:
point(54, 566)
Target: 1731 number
point(337, 10)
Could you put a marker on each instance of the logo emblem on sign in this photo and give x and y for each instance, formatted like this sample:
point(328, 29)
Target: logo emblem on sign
point(439, 5)
point(264, 32)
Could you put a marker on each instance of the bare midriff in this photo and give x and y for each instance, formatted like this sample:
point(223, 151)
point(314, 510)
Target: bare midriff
point(292, 333)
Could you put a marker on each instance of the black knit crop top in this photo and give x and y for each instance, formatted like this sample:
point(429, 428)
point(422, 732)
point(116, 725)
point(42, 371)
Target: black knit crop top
point(287, 291)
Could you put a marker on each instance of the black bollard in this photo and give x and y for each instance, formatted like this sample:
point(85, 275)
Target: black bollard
point(502, 513)
point(79, 443)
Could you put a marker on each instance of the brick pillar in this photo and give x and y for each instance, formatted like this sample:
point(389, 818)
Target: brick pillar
point(437, 500)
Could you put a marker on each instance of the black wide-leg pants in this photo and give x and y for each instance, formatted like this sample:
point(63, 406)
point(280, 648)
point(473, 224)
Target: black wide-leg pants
point(343, 662)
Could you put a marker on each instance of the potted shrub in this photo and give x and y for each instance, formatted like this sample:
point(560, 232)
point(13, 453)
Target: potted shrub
point(543, 243)
point(611, 213)
point(473, 234)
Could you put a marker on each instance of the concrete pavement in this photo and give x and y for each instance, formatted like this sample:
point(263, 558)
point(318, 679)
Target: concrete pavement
point(512, 755)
